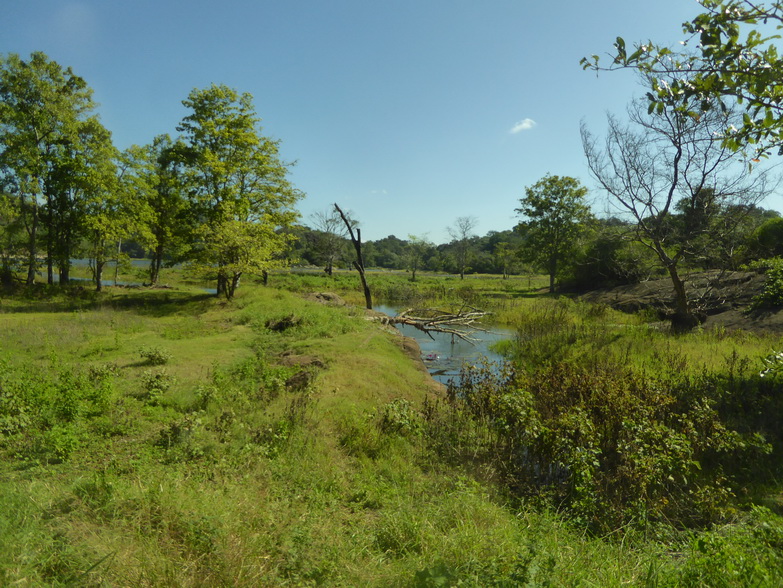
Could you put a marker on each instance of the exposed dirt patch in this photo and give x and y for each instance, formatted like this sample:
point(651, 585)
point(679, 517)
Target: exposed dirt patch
point(722, 298)
point(283, 324)
point(308, 367)
point(289, 359)
point(328, 298)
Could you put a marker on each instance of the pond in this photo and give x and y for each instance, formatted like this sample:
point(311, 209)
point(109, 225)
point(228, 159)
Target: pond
point(444, 355)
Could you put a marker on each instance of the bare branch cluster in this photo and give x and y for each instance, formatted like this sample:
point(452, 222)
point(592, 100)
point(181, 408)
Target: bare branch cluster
point(461, 324)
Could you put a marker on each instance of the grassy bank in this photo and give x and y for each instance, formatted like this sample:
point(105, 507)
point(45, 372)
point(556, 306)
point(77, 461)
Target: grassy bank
point(166, 437)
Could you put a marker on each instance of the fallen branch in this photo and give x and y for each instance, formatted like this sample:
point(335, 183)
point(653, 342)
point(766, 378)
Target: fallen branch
point(461, 324)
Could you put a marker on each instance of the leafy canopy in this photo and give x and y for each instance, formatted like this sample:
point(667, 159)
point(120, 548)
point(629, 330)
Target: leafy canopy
point(555, 213)
point(729, 55)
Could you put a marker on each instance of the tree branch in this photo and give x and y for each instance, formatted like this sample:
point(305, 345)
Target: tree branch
point(461, 324)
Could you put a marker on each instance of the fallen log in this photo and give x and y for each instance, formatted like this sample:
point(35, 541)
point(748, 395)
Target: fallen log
point(461, 324)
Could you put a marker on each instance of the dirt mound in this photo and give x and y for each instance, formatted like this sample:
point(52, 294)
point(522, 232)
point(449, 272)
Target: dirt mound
point(328, 298)
point(722, 297)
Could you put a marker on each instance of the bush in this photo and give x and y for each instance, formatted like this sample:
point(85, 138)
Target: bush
point(608, 445)
point(155, 384)
point(40, 416)
point(154, 355)
point(772, 294)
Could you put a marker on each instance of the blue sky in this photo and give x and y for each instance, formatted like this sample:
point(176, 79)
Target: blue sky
point(409, 113)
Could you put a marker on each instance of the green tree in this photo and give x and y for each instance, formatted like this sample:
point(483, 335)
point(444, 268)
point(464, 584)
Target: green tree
point(10, 244)
point(505, 255)
point(110, 211)
point(461, 233)
point(730, 56)
point(155, 178)
point(46, 126)
point(767, 240)
point(556, 216)
point(417, 249)
point(238, 187)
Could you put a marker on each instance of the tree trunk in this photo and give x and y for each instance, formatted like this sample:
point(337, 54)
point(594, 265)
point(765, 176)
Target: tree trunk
point(232, 284)
point(32, 248)
point(49, 264)
point(50, 236)
point(222, 284)
point(359, 263)
point(99, 275)
point(65, 273)
point(683, 319)
point(365, 287)
point(552, 273)
point(155, 264)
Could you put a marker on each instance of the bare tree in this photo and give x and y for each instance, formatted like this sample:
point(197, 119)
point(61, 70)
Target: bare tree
point(461, 233)
point(356, 240)
point(684, 189)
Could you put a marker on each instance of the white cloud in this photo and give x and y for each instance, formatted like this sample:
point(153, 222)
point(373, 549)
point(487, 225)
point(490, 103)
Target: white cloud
point(379, 192)
point(523, 125)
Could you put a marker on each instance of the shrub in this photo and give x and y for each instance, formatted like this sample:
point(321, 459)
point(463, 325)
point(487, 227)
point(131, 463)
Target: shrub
point(155, 384)
point(772, 294)
point(154, 355)
point(610, 446)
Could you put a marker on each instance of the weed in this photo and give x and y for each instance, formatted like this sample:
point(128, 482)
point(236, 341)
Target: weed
point(611, 445)
point(154, 355)
point(155, 384)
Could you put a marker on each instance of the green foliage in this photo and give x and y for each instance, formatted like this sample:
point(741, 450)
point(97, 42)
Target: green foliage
point(154, 355)
point(237, 185)
point(530, 568)
point(610, 446)
point(555, 215)
point(238, 477)
point(734, 59)
point(610, 258)
point(57, 156)
point(772, 294)
point(767, 240)
point(747, 554)
point(41, 416)
point(399, 417)
point(155, 384)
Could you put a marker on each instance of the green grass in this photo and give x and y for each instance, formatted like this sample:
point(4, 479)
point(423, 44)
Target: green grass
point(208, 470)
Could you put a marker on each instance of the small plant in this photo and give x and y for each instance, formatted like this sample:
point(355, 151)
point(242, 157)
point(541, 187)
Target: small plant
point(772, 294)
point(155, 355)
point(60, 442)
point(774, 363)
point(400, 418)
point(156, 384)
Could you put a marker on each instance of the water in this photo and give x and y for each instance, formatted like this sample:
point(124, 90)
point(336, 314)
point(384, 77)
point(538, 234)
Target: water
point(444, 355)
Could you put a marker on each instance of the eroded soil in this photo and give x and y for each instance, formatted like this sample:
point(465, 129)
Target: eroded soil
point(722, 297)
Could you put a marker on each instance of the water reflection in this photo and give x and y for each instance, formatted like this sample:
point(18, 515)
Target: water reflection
point(444, 354)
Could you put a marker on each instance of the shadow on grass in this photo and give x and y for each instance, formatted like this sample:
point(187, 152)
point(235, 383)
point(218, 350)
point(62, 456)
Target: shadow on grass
point(145, 301)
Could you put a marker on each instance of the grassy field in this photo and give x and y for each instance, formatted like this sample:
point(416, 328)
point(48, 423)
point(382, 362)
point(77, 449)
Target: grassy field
point(170, 438)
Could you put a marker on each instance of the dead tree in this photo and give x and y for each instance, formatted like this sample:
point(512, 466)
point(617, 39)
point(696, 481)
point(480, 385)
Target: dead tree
point(359, 263)
point(461, 324)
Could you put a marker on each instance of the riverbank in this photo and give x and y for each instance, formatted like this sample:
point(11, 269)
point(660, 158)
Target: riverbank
point(168, 437)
